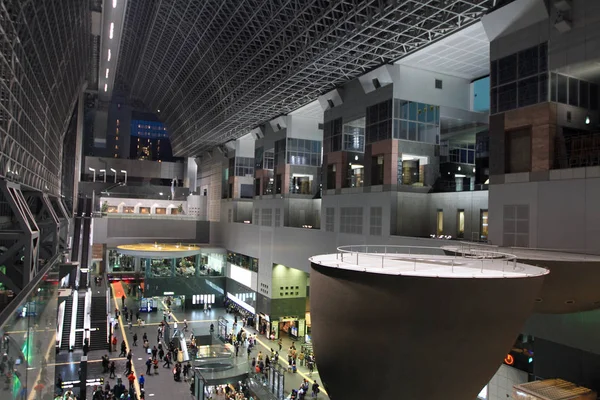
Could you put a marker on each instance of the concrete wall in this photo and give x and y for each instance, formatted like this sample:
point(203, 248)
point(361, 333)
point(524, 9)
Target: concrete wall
point(576, 330)
point(288, 282)
point(563, 211)
point(137, 168)
point(419, 85)
point(113, 231)
point(304, 128)
point(471, 202)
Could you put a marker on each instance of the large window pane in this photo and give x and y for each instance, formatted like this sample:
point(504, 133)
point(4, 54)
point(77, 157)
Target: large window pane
point(528, 62)
point(553, 86)
point(584, 94)
point(528, 91)
point(507, 69)
point(507, 97)
point(573, 91)
point(593, 96)
point(562, 90)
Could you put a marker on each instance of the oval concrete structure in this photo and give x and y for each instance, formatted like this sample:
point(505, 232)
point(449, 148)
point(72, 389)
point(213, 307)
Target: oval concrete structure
point(572, 285)
point(412, 336)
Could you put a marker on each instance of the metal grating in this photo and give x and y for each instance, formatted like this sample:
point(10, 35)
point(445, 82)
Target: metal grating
point(553, 389)
point(44, 54)
point(216, 68)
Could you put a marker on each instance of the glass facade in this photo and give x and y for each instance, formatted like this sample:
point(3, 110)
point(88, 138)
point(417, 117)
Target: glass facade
point(298, 152)
point(417, 122)
point(332, 136)
point(572, 91)
point(244, 166)
point(304, 152)
point(29, 340)
point(520, 79)
point(379, 122)
point(354, 135)
point(243, 261)
point(204, 264)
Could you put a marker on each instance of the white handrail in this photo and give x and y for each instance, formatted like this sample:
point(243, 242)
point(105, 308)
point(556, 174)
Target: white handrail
point(73, 319)
point(87, 320)
point(60, 322)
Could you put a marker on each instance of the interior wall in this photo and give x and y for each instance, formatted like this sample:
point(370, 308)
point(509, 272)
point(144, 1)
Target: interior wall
point(563, 213)
point(288, 282)
point(419, 85)
point(500, 386)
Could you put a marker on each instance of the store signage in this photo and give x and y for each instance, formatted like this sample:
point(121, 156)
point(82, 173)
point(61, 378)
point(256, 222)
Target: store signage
point(509, 359)
point(168, 293)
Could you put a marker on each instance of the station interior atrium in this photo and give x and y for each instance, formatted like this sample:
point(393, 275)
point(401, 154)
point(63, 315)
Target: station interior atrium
point(300, 199)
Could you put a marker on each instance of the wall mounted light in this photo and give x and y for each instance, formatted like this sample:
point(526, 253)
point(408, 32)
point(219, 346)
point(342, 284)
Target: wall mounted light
point(587, 119)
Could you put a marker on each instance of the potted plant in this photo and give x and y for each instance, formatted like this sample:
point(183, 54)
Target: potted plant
point(104, 208)
point(180, 209)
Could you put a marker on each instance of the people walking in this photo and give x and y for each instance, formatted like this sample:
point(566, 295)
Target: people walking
point(315, 389)
point(148, 366)
point(112, 369)
point(135, 338)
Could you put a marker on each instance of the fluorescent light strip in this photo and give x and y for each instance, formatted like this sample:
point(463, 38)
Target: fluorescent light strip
point(108, 55)
point(114, 3)
point(106, 73)
point(106, 87)
point(112, 30)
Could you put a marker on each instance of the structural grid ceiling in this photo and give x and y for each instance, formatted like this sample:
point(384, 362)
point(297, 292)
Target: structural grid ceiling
point(217, 68)
point(44, 58)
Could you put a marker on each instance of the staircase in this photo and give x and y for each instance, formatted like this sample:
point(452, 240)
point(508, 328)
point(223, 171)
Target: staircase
point(79, 321)
point(98, 334)
point(64, 344)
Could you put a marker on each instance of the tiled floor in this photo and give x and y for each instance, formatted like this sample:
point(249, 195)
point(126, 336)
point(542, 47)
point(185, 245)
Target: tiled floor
point(163, 386)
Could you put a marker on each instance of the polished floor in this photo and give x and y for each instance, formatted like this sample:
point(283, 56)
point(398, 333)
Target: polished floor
point(163, 386)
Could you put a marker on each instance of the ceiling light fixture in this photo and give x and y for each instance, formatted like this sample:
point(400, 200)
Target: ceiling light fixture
point(106, 87)
point(587, 119)
point(106, 73)
point(114, 3)
point(112, 30)
point(108, 55)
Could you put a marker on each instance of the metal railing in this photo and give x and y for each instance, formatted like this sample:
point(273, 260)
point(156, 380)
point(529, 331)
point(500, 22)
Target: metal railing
point(425, 256)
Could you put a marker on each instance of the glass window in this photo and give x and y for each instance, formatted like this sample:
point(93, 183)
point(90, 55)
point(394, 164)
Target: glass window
point(528, 91)
point(507, 69)
point(583, 94)
point(562, 89)
point(573, 91)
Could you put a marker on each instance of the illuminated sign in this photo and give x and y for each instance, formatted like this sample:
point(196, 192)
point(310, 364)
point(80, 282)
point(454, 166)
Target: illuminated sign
point(509, 360)
point(241, 275)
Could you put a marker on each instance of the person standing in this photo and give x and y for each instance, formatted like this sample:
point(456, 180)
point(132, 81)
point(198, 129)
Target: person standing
point(112, 370)
point(141, 381)
point(148, 366)
point(131, 379)
point(135, 338)
point(123, 301)
point(123, 349)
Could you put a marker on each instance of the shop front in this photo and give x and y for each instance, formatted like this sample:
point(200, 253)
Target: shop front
point(242, 299)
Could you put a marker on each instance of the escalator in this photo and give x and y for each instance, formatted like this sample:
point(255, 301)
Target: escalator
point(77, 230)
point(64, 344)
point(87, 226)
point(98, 334)
point(79, 321)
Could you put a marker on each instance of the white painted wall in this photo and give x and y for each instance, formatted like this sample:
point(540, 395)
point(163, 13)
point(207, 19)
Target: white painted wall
point(151, 203)
point(243, 276)
point(563, 211)
point(419, 85)
point(303, 128)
